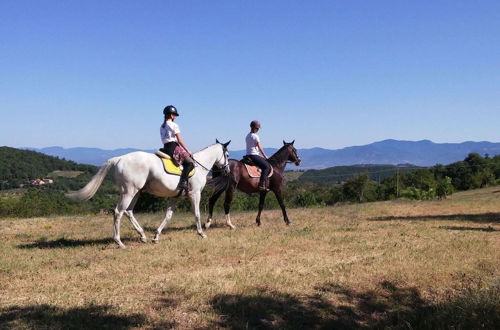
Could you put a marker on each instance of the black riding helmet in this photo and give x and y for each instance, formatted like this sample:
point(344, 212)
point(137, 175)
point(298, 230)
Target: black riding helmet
point(170, 109)
point(255, 124)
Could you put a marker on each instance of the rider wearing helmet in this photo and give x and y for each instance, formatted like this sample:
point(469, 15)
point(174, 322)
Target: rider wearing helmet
point(173, 145)
point(254, 152)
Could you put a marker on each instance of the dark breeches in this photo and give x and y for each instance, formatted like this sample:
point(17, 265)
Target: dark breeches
point(169, 148)
point(263, 164)
point(187, 164)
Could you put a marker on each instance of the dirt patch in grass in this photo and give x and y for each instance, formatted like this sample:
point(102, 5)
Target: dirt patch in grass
point(65, 174)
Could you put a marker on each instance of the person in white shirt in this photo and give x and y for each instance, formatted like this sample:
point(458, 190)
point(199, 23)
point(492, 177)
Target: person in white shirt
point(254, 152)
point(174, 146)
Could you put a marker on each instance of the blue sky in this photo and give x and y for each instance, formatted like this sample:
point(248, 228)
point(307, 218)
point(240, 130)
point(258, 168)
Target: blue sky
point(328, 74)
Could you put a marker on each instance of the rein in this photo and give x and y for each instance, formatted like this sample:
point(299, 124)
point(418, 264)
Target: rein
point(197, 162)
point(208, 170)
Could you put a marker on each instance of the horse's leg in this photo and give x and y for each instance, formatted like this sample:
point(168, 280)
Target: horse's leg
point(211, 203)
point(116, 228)
point(262, 199)
point(227, 206)
point(133, 220)
point(121, 208)
point(195, 204)
point(170, 211)
point(279, 197)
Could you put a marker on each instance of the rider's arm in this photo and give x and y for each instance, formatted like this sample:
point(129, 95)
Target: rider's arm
point(261, 150)
point(181, 142)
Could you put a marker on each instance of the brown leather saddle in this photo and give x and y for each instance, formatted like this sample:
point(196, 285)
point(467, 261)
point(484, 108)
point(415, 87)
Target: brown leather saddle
point(252, 169)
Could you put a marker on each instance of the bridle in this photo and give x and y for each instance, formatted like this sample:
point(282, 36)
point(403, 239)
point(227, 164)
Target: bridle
point(226, 162)
point(294, 153)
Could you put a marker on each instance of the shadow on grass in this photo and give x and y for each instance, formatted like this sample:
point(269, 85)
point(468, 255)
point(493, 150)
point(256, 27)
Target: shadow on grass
point(72, 243)
point(51, 317)
point(486, 229)
point(335, 307)
point(168, 228)
point(484, 217)
point(69, 243)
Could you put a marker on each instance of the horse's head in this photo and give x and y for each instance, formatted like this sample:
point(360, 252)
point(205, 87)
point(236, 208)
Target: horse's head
point(292, 153)
point(222, 163)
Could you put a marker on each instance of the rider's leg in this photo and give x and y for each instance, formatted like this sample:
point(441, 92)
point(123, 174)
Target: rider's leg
point(265, 167)
point(187, 166)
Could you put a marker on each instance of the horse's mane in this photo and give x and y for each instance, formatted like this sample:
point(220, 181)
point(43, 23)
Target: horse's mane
point(278, 157)
point(205, 148)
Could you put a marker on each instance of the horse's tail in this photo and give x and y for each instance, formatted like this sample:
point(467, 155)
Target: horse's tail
point(91, 188)
point(220, 183)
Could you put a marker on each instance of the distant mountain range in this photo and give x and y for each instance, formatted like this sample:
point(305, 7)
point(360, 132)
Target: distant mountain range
point(420, 153)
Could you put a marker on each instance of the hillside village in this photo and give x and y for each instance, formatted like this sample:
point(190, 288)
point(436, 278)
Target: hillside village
point(40, 182)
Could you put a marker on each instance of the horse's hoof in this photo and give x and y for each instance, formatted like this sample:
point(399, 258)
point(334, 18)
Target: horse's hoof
point(289, 223)
point(144, 240)
point(203, 235)
point(232, 227)
point(120, 244)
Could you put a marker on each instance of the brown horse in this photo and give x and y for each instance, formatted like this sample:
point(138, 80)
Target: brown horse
point(240, 179)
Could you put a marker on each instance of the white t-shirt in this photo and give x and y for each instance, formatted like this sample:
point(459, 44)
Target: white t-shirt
point(169, 131)
point(252, 140)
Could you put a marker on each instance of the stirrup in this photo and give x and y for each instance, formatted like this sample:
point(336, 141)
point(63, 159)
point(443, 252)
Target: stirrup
point(263, 187)
point(183, 185)
point(183, 189)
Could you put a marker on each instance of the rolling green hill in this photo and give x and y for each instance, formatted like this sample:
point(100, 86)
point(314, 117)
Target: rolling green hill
point(18, 166)
point(339, 174)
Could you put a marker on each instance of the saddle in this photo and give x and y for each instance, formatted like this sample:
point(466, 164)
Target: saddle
point(252, 169)
point(169, 165)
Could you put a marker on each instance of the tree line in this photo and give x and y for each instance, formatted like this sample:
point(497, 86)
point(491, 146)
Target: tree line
point(438, 181)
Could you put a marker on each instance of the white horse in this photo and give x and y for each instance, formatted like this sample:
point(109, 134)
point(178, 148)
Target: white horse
point(141, 171)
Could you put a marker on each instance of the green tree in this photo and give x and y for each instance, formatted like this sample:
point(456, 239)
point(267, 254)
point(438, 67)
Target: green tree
point(354, 188)
point(444, 187)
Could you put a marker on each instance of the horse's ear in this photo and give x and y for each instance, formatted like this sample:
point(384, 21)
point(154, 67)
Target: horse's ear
point(292, 142)
point(226, 144)
point(284, 143)
point(217, 141)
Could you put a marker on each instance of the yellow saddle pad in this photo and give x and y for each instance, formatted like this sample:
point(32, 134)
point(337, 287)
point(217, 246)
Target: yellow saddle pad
point(169, 165)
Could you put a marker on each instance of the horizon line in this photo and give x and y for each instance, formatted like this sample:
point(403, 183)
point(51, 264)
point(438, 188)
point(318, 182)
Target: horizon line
point(135, 148)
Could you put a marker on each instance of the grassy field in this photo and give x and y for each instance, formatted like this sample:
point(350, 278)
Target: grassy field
point(398, 264)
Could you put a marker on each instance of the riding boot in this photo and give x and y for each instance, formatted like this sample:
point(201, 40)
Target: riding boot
point(183, 181)
point(263, 186)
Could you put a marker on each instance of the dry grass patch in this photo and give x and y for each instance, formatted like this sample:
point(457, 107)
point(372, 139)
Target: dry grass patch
point(65, 174)
point(387, 264)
